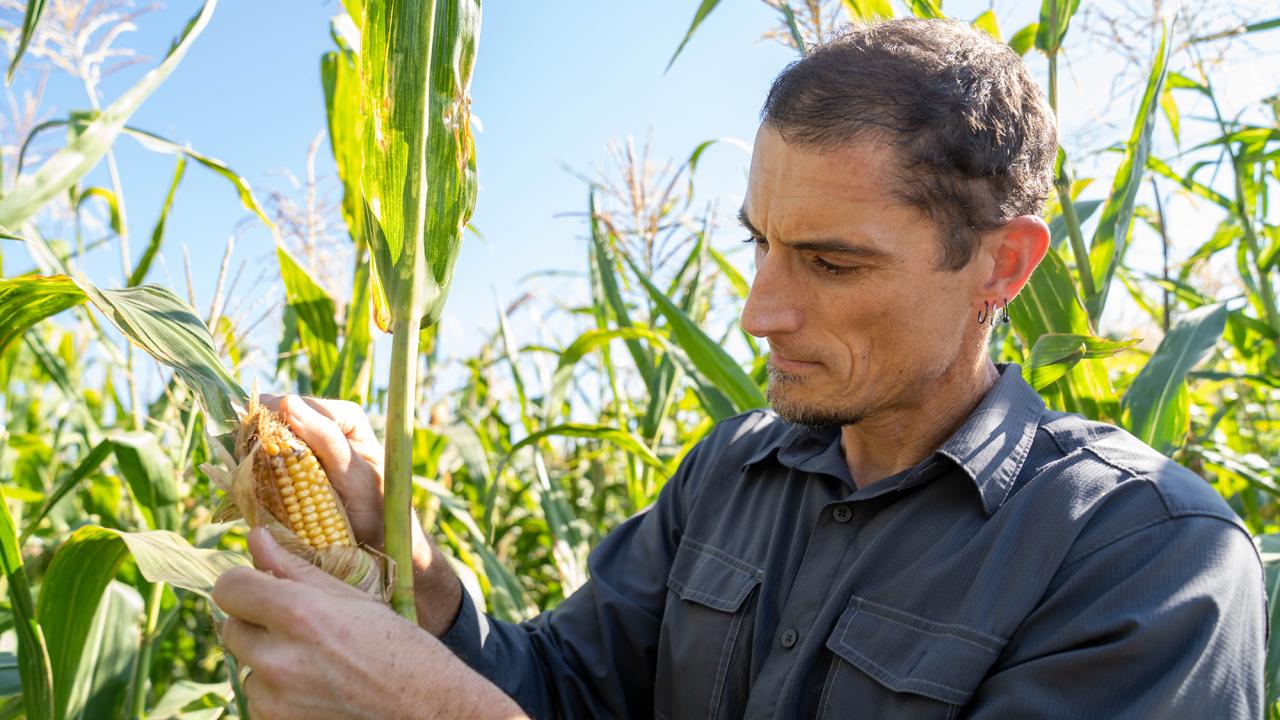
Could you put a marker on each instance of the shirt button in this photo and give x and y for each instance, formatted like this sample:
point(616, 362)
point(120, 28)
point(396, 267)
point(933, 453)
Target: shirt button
point(841, 513)
point(789, 638)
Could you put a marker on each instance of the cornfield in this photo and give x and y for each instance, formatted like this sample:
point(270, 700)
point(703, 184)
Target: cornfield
point(110, 539)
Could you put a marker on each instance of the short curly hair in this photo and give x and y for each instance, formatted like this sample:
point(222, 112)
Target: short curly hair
point(976, 140)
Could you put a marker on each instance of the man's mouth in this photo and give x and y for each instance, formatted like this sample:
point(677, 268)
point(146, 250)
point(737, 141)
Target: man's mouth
point(790, 365)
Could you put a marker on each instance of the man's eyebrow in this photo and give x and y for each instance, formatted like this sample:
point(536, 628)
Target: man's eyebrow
point(831, 246)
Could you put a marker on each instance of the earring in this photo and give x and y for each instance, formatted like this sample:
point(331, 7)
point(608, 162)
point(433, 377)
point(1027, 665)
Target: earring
point(985, 313)
point(1005, 317)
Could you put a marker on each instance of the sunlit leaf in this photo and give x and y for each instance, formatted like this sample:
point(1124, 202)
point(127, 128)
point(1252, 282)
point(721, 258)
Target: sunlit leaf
point(33, 655)
point(1055, 18)
point(704, 9)
point(157, 233)
point(151, 477)
point(316, 312)
point(28, 299)
point(868, 9)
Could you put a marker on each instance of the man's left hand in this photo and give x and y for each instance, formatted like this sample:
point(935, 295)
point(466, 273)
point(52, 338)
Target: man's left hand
point(320, 649)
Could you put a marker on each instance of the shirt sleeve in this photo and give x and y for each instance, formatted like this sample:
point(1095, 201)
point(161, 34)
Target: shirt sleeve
point(594, 655)
point(1166, 621)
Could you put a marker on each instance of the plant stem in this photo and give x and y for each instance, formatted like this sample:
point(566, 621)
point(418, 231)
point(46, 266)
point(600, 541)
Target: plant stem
point(398, 496)
point(138, 699)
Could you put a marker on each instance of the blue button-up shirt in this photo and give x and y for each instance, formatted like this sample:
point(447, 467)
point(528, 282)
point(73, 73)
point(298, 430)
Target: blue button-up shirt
point(1036, 565)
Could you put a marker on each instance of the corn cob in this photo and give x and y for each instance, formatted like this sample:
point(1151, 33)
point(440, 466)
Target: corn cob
point(275, 480)
point(291, 484)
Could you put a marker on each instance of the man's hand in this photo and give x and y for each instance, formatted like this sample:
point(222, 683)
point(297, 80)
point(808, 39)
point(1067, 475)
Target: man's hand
point(338, 432)
point(319, 649)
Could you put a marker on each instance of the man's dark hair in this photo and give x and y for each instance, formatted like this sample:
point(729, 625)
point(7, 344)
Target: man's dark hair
point(975, 139)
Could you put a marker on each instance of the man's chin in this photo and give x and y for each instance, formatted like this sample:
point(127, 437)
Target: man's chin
point(796, 410)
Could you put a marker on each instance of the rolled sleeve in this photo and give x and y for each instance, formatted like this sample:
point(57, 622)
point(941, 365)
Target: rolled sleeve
point(1166, 621)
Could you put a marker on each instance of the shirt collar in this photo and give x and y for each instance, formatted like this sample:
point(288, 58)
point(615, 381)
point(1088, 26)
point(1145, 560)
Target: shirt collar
point(989, 447)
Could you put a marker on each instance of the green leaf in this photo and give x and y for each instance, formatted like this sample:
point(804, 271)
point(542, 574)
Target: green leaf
point(113, 205)
point(340, 77)
point(789, 16)
point(418, 176)
point(1049, 303)
point(1110, 239)
point(705, 354)
point(151, 477)
point(869, 9)
point(926, 8)
point(72, 162)
point(350, 379)
point(28, 299)
point(69, 599)
point(33, 655)
point(1055, 354)
point(1155, 404)
point(164, 556)
point(1269, 550)
point(704, 9)
point(988, 23)
point(570, 356)
point(185, 692)
point(157, 233)
point(164, 326)
point(615, 436)
point(1055, 17)
point(87, 466)
point(316, 311)
point(1241, 30)
point(111, 649)
point(1025, 39)
point(604, 273)
point(30, 20)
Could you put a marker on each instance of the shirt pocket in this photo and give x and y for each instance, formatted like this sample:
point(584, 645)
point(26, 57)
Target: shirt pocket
point(889, 663)
point(706, 629)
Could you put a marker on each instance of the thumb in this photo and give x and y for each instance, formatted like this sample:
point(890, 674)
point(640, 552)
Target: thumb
point(271, 558)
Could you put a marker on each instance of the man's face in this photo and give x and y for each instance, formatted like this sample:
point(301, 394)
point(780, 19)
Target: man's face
point(859, 318)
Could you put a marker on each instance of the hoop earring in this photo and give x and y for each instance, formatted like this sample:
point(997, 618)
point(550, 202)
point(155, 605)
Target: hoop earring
point(985, 313)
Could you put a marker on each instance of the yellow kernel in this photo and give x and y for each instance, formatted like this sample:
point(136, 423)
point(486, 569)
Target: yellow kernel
point(295, 517)
point(286, 490)
point(310, 517)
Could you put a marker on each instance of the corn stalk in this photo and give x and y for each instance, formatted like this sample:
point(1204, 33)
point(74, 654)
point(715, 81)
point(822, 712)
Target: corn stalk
point(418, 186)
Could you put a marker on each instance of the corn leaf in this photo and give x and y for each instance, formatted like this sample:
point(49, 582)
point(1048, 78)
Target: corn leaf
point(166, 557)
point(30, 21)
point(988, 23)
point(418, 176)
point(164, 326)
point(113, 205)
point(1110, 239)
point(1269, 550)
point(1055, 354)
point(1049, 303)
point(151, 477)
point(103, 680)
point(569, 357)
point(340, 77)
point(868, 9)
point(69, 598)
point(704, 9)
point(33, 654)
point(705, 354)
point(72, 162)
point(28, 299)
point(1155, 405)
point(1025, 39)
point(350, 379)
point(87, 466)
point(157, 233)
point(316, 312)
point(926, 8)
point(1260, 26)
point(603, 272)
point(1055, 17)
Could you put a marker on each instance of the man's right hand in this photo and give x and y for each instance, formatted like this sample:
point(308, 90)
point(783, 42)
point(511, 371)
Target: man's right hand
point(338, 432)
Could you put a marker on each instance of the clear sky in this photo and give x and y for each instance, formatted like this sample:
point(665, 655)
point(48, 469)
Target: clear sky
point(555, 81)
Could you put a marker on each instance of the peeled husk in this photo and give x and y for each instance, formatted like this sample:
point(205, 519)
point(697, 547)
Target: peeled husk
point(251, 494)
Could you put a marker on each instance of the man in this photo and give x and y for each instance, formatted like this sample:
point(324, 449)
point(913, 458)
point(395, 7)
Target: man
point(909, 533)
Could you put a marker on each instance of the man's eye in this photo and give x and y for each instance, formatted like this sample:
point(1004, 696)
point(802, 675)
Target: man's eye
point(831, 269)
point(759, 242)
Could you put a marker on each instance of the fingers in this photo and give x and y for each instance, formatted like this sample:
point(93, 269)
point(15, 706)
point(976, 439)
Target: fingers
point(243, 639)
point(322, 434)
point(271, 558)
point(254, 596)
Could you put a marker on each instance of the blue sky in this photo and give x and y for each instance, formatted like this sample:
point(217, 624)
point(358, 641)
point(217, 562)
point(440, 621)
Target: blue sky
point(554, 82)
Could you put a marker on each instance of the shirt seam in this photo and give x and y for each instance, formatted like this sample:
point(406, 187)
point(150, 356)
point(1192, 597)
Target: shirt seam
point(1151, 524)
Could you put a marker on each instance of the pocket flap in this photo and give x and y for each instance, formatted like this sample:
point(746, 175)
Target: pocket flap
point(711, 577)
point(908, 653)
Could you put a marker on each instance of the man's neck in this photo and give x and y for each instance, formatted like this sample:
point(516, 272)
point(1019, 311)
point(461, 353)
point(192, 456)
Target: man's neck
point(893, 441)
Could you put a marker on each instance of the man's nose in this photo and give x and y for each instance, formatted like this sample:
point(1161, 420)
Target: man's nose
point(771, 307)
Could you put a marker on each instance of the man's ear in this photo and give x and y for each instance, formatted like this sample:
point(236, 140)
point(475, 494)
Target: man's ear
point(1018, 246)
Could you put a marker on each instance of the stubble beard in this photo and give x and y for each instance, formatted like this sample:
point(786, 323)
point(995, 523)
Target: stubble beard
point(782, 391)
